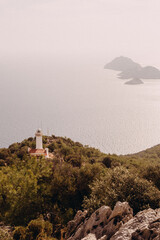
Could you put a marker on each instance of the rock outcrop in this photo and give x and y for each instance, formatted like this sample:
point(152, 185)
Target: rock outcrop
point(145, 225)
point(90, 236)
point(134, 81)
point(119, 224)
point(103, 222)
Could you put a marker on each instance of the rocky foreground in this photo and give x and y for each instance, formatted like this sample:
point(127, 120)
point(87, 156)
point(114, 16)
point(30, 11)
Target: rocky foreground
point(118, 224)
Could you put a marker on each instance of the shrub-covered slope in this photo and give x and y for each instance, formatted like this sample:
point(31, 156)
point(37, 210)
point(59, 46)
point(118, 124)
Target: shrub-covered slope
point(76, 177)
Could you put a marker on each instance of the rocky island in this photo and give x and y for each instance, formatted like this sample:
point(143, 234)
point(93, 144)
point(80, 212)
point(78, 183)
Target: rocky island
point(134, 81)
point(132, 70)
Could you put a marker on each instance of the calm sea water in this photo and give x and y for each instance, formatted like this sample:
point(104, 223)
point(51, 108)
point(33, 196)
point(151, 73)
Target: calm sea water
point(79, 100)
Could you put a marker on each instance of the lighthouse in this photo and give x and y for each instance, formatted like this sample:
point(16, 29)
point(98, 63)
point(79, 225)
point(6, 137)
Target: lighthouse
point(38, 135)
point(39, 151)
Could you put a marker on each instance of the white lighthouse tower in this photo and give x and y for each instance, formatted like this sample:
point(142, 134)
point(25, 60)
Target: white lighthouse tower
point(38, 135)
point(39, 151)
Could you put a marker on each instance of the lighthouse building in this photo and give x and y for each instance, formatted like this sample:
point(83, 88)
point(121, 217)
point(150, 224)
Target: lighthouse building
point(39, 151)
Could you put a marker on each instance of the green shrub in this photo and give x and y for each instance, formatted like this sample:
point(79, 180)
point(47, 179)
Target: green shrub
point(4, 153)
point(107, 162)
point(71, 184)
point(38, 228)
point(22, 152)
point(74, 160)
point(152, 173)
point(119, 184)
point(2, 162)
point(23, 189)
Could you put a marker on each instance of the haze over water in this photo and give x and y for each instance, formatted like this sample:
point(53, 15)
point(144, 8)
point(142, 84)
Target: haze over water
point(80, 100)
point(52, 55)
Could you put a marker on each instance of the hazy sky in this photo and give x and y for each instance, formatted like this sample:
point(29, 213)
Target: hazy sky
point(100, 29)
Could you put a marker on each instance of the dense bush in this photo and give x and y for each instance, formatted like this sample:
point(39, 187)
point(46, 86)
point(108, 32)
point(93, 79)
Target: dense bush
point(33, 186)
point(69, 185)
point(30, 187)
point(107, 161)
point(37, 229)
point(152, 173)
point(121, 185)
point(4, 153)
point(23, 190)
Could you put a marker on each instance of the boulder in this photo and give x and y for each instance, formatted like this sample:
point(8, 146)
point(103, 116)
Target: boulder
point(145, 225)
point(97, 221)
point(103, 238)
point(119, 224)
point(90, 237)
point(121, 213)
point(74, 226)
point(102, 223)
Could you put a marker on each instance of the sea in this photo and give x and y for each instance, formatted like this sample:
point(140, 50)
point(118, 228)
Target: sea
point(77, 99)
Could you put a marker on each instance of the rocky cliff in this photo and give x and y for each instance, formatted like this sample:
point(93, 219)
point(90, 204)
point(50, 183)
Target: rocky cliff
point(116, 224)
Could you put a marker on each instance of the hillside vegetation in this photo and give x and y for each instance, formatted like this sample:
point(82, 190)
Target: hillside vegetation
point(38, 197)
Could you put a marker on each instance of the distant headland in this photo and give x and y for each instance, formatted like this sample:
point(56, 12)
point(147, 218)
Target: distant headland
point(132, 70)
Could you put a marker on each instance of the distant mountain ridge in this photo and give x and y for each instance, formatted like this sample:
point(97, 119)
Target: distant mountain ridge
point(132, 70)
